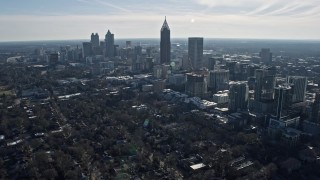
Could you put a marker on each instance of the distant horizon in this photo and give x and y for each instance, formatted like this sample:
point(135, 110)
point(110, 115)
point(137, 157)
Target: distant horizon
point(173, 38)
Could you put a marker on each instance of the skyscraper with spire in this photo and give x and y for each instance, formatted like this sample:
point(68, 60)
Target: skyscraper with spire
point(109, 44)
point(165, 44)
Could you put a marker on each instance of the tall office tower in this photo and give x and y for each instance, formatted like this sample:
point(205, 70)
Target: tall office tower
point(165, 71)
point(159, 85)
point(232, 66)
point(96, 49)
point(54, 58)
point(149, 51)
point(149, 64)
point(241, 71)
point(39, 52)
point(77, 53)
point(266, 55)
point(165, 43)
point(137, 58)
point(258, 89)
point(103, 48)
point(87, 49)
point(95, 40)
point(157, 71)
point(238, 96)
point(196, 85)
point(316, 109)
point(103, 44)
point(299, 88)
point(251, 70)
point(195, 52)
point(128, 44)
point(283, 100)
point(212, 63)
point(264, 85)
point(109, 44)
point(219, 80)
point(251, 76)
point(138, 50)
point(116, 50)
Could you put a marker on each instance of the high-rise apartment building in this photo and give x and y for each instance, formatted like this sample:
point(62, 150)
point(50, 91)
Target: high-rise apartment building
point(195, 52)
point(316, 109)
point(238, 96)
point(264, 84)
point(86, 49)
point(283, 100)
point(218, 80)
point(196, 85)
point(165, 43)
point(299, 88)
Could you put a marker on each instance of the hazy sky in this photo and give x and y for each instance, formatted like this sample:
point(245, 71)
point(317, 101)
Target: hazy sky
point(77, 19)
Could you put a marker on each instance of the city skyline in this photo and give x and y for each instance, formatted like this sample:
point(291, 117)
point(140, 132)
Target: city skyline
point(176, 89)
point(75, 19)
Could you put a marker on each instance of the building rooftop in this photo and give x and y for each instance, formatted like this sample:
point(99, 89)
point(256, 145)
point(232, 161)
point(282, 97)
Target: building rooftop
point(237, 82)
point(198, 166)
point(221, 95)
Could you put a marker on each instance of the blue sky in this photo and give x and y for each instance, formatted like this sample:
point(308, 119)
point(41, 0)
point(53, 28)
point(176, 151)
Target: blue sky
point(77, 19)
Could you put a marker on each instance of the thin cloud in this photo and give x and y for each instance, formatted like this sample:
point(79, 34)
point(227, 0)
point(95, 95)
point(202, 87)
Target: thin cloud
point(111, 5)
point(282, 19)
point(267, 7)
point(104, 3)
point(125, 26)
point(262, 7)
point(84, 1)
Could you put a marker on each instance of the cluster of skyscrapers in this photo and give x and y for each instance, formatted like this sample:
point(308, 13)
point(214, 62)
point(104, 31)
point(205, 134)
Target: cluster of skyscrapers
point(242, 86)
point(105, 48)
point(233, 83)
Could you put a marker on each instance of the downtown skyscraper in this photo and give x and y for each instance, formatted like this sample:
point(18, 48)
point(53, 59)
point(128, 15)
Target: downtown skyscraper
point(195, 52)
point(238, 94)
point(266, 56)
point(109, 44)
point(299, 84)
point(283, 100)
point(95, 40)
point(165, 43)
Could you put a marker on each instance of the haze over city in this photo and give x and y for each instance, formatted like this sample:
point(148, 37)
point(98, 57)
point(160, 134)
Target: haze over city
point(172, 89)
point(75, 19)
